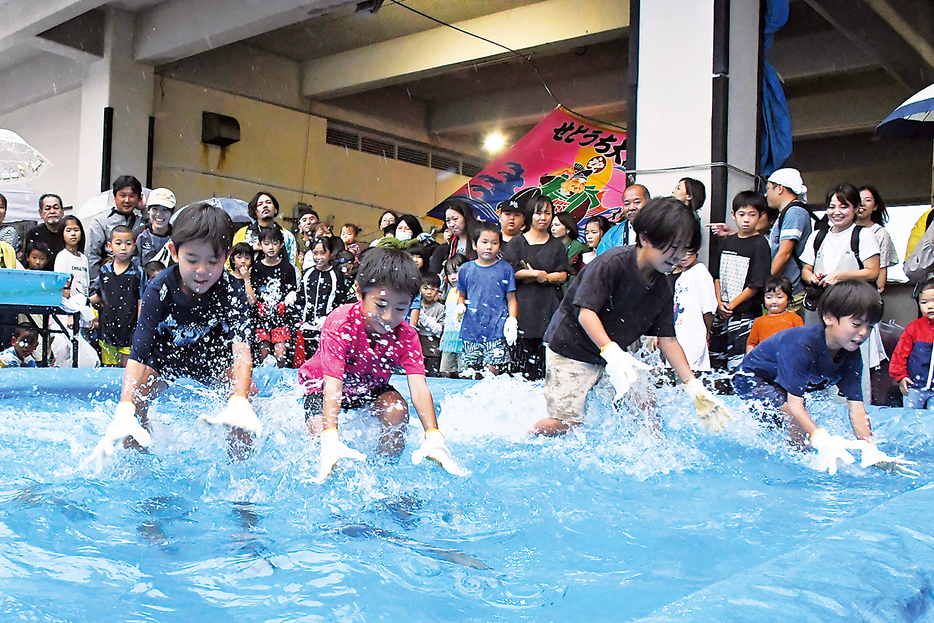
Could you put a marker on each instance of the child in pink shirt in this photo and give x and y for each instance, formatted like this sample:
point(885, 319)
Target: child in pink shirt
point(362, 344)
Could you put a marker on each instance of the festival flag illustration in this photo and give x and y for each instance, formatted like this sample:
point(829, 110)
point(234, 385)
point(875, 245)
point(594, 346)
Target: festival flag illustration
point(579, 164)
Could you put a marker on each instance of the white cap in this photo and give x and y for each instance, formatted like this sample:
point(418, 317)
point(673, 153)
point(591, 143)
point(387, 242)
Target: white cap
point(790, 179)
point(162, 197)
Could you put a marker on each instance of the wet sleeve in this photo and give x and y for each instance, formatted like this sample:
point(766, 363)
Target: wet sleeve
point(335, 345)
point(152, 312)
point(595, 285)
point(239, 315)
point(412, 360)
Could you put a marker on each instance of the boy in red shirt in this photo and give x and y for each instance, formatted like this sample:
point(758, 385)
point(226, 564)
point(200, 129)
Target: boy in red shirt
point(361, 345)
point(912, 365)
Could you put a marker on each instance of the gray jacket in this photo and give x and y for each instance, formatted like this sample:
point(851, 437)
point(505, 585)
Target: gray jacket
point(98, 230)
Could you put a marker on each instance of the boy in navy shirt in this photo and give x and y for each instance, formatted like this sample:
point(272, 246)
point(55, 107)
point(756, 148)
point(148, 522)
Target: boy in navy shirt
point(780, 370)
point(486, 289)
point(621, 295)
point(194, 322)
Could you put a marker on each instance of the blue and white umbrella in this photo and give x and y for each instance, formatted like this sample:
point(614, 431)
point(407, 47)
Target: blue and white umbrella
point(913, 119)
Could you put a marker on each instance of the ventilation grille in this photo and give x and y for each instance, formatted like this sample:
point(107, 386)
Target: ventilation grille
point(383, 147)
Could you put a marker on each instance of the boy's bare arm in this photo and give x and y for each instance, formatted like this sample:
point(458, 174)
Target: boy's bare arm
point(422, 401)
point(333, 387)
point(796, 409)
point(785, 251)
point(512, 307)
point(673, 352)
point(859, 420)
point(135, 376)
point(743, 296)
point(593, 327)
point(242, 369)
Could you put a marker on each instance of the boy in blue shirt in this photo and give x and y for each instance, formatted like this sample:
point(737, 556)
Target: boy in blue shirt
point(780, 370)
point(194, 322)
point(486, 289)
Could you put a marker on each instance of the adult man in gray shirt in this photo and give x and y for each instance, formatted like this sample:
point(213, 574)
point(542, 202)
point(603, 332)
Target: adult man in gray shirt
point(127, 195)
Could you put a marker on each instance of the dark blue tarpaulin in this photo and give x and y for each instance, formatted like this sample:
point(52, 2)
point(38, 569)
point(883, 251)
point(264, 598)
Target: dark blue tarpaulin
point(775, 147)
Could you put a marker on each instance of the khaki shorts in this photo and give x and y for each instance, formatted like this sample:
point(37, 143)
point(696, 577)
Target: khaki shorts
point(567, 382)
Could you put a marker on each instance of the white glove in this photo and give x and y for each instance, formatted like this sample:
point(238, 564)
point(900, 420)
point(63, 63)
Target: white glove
point(873, 456)
point(830, 448)
point(433, 448)
point(511, 330)
point(237, 414)
point(123, 425)
point(711, 411)
point(333, 450)
point(424, 236)
point(621, 367)
point(459, 310)
point(290, 298)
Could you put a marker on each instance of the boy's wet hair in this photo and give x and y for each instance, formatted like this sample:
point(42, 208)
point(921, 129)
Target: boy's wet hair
point(750, 199)
point(388, 268)
point(203, 222)
point(666, 222)
point(776, 283)
point(483, 226)
point(271, 233)
point(25, 331)
point(431, 280)
point(119, 229)
point(241, 248)
point(852, 297)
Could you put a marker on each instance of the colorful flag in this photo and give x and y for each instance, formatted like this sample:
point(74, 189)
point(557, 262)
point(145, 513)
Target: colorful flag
point(579, 164)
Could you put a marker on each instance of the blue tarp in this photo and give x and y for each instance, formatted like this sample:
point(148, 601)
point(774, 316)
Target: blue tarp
point(775, 147)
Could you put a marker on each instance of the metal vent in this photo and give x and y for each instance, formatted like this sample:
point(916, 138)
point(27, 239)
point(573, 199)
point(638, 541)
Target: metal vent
point(372, 145)
point(414, 156)
point(342, 138)
point(470, 170)
point(444, 163)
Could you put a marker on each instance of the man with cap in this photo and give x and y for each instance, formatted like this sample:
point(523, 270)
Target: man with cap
point(785, 191)
point(49, 230)
point(160, 205)
point(622, 234)
point(127, 192)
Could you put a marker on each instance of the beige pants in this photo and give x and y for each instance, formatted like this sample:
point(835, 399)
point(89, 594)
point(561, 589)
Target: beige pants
point(567, 382)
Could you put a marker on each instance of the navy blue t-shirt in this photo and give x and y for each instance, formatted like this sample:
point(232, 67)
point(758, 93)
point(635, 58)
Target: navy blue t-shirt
point(179, 335)
point(485, 288)
point(798, 360)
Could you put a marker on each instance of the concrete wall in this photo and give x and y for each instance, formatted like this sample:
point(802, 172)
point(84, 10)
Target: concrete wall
point(284, 151)
point(53, 127)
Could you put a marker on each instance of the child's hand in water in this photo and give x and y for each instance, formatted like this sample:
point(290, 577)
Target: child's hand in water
point(237, 414)
point(332, 451)
point(123, 425)
point(435, 449)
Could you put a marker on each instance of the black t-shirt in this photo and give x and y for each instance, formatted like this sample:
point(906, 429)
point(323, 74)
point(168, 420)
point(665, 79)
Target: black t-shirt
point(746, 261)
point(537, 302)
point(56, 242)
point(120, 300)
point(628, 306)
point(179, 335)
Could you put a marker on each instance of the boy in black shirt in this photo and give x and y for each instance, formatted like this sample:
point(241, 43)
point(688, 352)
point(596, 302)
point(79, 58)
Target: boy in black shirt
point(116, 290)
point(621, 295)
point(194, 322)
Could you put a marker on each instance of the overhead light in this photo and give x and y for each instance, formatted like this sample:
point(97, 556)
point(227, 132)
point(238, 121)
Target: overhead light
point(494, 142)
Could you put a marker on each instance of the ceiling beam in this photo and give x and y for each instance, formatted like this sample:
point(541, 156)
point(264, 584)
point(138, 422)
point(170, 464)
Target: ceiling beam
point(21, 20)
point(904, 27)
point(595, 95)
point(177, 29)
point(818, 55)
point(843, 111)
point(39, 78)
point(440, 50)
point(864, 27)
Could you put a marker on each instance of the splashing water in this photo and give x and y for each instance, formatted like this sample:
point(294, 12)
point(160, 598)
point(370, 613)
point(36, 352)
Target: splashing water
point(613, 522)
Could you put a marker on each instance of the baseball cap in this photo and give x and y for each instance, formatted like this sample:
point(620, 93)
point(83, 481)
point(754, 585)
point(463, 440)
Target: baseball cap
point(162, 197)
point(790, 179)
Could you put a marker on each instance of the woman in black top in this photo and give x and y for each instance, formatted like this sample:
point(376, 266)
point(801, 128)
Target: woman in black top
point(541, 264)
point(460, 221)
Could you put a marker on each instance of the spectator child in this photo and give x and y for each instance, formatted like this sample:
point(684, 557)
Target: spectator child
point(273, 282)
point(20, 353)
point(912, 365)
point(777, 295)
point(72, 260)
point(240, 264)
point(37, 255)
point(451, 344)
point(117, 290)
point(320, 291)
point(695, 302)
point(596, 227)
point(621, 295)
point(739, 275)
point(362, 344)
point(152, 269)
point(486, 298)
point(431, 323)
point(782, 369)
point(194, 323)
point(349, 233)
point(564, 228)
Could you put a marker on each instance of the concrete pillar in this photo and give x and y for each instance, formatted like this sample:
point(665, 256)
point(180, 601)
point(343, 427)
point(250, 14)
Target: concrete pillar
point(119, 82)
point(696, 97)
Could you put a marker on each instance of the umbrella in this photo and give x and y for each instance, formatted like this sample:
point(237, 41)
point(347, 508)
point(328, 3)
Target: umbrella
point(102, 202)
point(19, 161)
point(913, 119)
point(22, 203)
point(235, 208)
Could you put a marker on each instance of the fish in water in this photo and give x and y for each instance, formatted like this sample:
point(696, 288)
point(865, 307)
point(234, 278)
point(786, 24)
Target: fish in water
point(431, 551)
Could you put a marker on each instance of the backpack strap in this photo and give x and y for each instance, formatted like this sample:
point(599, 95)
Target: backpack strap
point(854, 243)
